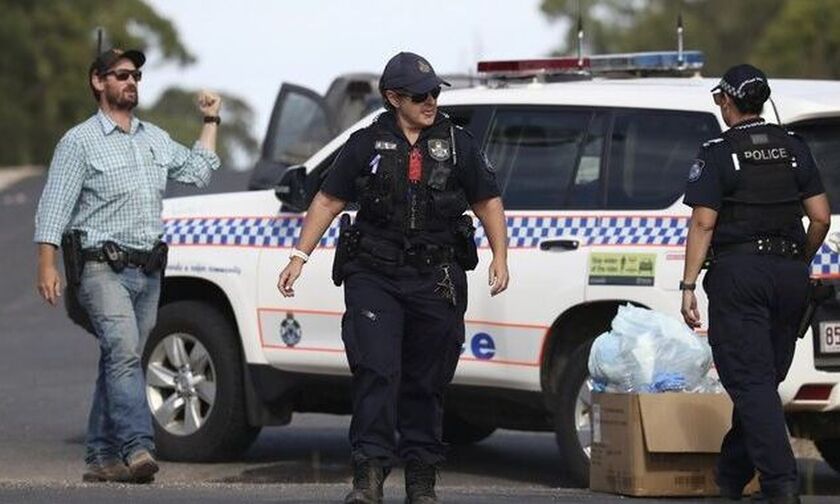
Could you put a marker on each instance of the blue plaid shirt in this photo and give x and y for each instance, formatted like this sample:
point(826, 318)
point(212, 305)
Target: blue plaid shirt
point(110, 184)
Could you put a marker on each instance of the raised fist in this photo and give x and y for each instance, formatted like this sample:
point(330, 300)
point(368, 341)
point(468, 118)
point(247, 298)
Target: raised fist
point(209, 103)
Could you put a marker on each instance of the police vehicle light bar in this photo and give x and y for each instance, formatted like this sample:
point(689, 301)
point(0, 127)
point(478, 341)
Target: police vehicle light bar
point(643, 62)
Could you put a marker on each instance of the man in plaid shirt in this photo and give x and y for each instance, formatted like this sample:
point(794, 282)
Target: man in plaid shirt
point(106, 180)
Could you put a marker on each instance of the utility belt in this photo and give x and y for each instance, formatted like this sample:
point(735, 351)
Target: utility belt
point(119, 258)
point(775, 246)
point(422, 257)
point(385, 256)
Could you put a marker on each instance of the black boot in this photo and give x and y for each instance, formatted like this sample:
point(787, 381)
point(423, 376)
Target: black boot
point(777, 499)
point(368, 478)
point(420, 483)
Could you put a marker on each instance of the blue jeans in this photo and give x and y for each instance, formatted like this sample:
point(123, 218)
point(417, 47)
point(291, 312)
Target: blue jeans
point(123, 309)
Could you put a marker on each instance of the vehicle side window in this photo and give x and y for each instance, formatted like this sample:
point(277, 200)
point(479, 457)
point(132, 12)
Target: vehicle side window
point(540, 154)
point(650, 154)
point(823, 138)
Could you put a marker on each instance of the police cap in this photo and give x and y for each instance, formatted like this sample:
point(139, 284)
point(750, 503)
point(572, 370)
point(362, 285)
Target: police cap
point(410, 72)
point(745, 82)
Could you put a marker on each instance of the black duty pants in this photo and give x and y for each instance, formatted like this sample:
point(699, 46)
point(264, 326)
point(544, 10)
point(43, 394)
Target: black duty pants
point(403, 340)
point(755, 304)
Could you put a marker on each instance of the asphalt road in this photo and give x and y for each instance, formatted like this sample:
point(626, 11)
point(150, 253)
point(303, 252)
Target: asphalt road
point(47, 370)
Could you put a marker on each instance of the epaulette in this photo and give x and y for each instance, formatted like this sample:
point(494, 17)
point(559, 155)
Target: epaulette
point(461, 128)
point(711, 142)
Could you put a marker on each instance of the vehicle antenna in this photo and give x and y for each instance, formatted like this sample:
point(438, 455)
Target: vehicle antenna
point(580, 35)
point(680, 56)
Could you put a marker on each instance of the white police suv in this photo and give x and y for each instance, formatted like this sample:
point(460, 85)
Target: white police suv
point(592, 157)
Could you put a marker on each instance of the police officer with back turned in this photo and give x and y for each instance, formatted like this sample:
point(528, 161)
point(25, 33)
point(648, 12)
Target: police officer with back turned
point(414, 174)
point(748, 189)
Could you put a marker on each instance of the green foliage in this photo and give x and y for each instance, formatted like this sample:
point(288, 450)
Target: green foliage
point(177, 113)
point(787, 38)
point(46, 47)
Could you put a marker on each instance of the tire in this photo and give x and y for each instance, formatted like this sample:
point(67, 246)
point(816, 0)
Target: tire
point(572, 421)
point(460, 432)
point(830, 451)
point(209, 386)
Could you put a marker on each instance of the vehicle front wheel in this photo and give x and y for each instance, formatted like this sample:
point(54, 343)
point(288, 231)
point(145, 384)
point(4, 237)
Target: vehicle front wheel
point(572, 417)
point(194, 388)
point(830, 451)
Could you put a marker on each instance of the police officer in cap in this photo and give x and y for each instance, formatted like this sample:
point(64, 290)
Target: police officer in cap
point(748, 190)
point(414, 174)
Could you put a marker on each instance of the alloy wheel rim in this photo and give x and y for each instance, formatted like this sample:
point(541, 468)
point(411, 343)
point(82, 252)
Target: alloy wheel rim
point(180, 384)
point(583, 416)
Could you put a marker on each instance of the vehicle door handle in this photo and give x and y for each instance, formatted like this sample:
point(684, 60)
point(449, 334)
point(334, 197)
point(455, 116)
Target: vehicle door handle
point(560, 244)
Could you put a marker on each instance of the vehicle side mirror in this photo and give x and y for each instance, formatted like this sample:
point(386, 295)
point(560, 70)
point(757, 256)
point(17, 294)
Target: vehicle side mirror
point(291, 190)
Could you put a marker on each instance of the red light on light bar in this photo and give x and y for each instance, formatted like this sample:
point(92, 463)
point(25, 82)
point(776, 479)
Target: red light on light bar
point(814, 392)
point(534, 65)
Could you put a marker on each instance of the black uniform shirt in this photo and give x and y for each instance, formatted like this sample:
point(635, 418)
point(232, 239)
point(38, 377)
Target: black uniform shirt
point(713, 175)
point(473, 173)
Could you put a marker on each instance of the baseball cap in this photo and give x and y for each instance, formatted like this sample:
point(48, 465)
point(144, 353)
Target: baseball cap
point(738, 79)
point(109, 58)
point(410, 72)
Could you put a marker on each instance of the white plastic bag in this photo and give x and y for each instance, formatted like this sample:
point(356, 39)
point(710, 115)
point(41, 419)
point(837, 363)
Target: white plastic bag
point(648, 351)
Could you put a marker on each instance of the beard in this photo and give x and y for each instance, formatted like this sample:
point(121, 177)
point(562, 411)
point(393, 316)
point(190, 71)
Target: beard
point(124, 99)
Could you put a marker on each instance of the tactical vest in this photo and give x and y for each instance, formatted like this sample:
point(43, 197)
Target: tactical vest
point(766, 197)
point(391, 202)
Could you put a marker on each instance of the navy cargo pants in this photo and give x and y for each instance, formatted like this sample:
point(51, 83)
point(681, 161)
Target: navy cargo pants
point(755, 305)
point(403, 340)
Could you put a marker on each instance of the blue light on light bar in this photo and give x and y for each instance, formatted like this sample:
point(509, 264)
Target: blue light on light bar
point(647, 61)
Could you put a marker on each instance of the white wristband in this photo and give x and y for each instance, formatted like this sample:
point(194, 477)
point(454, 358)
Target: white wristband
point(299, 253)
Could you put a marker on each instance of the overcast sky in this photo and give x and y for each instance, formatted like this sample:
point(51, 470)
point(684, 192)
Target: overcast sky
point(249, 47)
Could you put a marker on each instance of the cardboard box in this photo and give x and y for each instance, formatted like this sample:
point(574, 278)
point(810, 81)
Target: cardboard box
point(657, 444)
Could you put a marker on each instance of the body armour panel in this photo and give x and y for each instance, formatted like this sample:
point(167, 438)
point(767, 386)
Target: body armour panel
point(766, 195)
point(388, 199)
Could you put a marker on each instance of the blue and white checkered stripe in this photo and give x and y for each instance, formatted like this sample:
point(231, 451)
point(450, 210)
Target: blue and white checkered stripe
point(241, 231)
point(523, 231)
point(825, 263)
point(529, 231)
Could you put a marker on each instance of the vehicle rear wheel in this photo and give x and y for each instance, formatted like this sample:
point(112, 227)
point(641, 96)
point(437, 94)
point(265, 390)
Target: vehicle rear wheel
point(460, 432)
point(572, 418)
point(830, 451)
point(194, 387)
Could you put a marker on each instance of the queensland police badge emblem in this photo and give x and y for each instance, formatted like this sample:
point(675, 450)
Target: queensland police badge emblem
point(290, 331)
point(696, 170)
point(439, 149)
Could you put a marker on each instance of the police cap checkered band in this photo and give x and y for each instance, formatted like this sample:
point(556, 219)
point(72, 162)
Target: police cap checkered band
point(735, 81)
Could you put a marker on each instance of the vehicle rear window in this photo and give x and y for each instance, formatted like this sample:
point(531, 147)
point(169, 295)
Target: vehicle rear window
point(650, 155)
point(823, 138)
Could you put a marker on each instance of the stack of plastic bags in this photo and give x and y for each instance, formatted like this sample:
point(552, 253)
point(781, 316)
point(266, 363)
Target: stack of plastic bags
point(647, 351)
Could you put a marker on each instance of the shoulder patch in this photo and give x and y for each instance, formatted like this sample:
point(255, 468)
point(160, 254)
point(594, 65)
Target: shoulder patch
point(712, 142)
point(696, 170)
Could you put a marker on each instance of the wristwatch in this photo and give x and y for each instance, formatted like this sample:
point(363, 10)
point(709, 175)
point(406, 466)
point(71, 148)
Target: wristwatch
point(687, 286)
point(212, 119)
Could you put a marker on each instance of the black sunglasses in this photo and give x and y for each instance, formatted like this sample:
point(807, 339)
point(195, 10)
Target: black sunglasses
point(421, 97)
point(123, 75)
point(717, 98)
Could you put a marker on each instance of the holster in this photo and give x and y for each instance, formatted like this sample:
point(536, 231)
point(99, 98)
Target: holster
point(466, 250)
point(818, 293)
point(346, 248)
point(74, 264)
point(158, 259)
